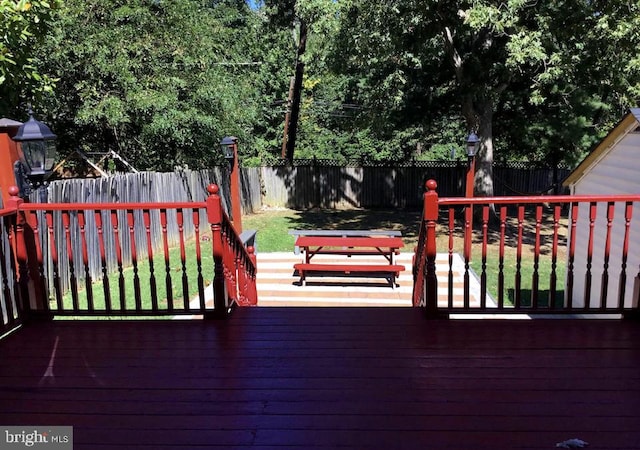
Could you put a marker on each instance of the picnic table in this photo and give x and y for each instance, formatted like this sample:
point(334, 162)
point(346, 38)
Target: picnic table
point(343, 233)
point(349, 243)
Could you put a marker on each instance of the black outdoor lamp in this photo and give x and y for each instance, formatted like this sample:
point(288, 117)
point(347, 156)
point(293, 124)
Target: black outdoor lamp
point(37, 151)
point(228, 148)
point(472, 145)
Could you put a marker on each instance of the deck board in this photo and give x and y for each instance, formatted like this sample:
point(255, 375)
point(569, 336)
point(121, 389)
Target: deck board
point(327, 378)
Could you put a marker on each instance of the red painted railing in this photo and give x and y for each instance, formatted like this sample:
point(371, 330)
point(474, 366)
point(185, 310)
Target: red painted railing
point(64, 255)
point(532, 255)
point(10, 307)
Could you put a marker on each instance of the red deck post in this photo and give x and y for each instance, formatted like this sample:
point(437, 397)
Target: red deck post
point(29, 258)
point(431, 218)
point(214, 215)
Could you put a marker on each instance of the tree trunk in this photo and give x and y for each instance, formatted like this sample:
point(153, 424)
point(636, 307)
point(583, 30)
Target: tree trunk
point(483, 182)
point(297, 93)
point(479, 118)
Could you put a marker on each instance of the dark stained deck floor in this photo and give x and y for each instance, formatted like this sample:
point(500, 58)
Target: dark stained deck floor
point(327, 378)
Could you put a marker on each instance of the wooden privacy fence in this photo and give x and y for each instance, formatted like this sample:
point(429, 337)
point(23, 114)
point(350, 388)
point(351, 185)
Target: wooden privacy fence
point(340, 187)
point(544, 254)
point(302, 186)
point(205, 276)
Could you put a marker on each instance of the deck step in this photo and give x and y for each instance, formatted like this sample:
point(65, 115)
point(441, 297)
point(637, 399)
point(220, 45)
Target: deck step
point(279, 284)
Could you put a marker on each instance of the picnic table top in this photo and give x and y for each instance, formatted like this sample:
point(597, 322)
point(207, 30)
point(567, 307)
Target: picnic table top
point(334, 241)
point(346, 233)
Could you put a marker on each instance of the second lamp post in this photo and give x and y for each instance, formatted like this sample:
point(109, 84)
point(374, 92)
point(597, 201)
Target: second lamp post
point(229, 146)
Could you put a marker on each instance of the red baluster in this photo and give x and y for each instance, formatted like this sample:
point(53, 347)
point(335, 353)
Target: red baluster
point(85, 260)
point(604, 287)
point(553, 279)
point(146, 217)
point(115, 226)
point(628, 213)
point(483, 274)
point(230, 261)
point(518, 276)
point(535, 278)
point(36, 262)
point(572, 252)
point(167, 262)
point(196, 226)
point(593, 208)
point(103, 260)
point(26, 305)
point(468, 238)
point(134, 259)
point(183, 259)
point(66, 223)
point(452, 224)
point(252, 293)
point(503, 229)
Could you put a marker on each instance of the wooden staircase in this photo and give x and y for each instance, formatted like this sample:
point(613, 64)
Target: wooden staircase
point(278, 284)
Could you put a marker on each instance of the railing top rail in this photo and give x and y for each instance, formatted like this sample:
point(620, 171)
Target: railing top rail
point(109, 206)
point(553, 199)
point(7, 211)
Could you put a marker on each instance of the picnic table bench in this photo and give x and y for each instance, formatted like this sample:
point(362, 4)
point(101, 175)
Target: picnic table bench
point(362, 244)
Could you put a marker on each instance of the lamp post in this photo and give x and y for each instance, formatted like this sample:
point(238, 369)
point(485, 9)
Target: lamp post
point(229, 147)
point(36, 155)
point(472, 148)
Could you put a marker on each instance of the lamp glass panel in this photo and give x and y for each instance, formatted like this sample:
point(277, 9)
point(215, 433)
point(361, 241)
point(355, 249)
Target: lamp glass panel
point(471, 149)
point(50, 157)
point(228, 151)
point(34, 156)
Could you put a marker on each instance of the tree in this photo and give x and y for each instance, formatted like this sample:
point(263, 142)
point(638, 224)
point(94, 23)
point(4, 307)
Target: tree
point(25, 26)
point(548, 61)
point(160, 82)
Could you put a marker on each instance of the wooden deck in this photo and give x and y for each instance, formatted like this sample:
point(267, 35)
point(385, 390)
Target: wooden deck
point(327, 378)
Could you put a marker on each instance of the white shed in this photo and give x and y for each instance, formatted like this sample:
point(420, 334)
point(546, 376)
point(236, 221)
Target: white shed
point(612, 168)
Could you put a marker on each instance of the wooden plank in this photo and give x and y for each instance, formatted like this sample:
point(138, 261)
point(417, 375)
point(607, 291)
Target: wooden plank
point(348, 268)
point(376, 242)
point(323, 378)
point(346, 233)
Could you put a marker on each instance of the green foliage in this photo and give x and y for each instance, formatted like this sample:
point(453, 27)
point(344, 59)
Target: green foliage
point(536, 80)
point(25, 24)
point(161, 81)
point(162, 97)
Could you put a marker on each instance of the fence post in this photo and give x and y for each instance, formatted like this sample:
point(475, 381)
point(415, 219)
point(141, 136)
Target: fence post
point(214, 216)
point(431, 218)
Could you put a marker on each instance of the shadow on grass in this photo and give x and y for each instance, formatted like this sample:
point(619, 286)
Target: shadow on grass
point(405, 220)
point(543, 298)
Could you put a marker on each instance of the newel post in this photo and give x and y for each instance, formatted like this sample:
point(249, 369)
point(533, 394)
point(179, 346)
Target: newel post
point(431, 218)
point(214, 216)
point(33, 296)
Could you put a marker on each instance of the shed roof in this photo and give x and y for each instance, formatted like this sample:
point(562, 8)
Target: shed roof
point(628, 123)
point(8, 123)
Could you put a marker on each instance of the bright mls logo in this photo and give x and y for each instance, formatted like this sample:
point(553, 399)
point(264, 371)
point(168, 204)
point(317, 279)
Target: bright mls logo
point(38, 437)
